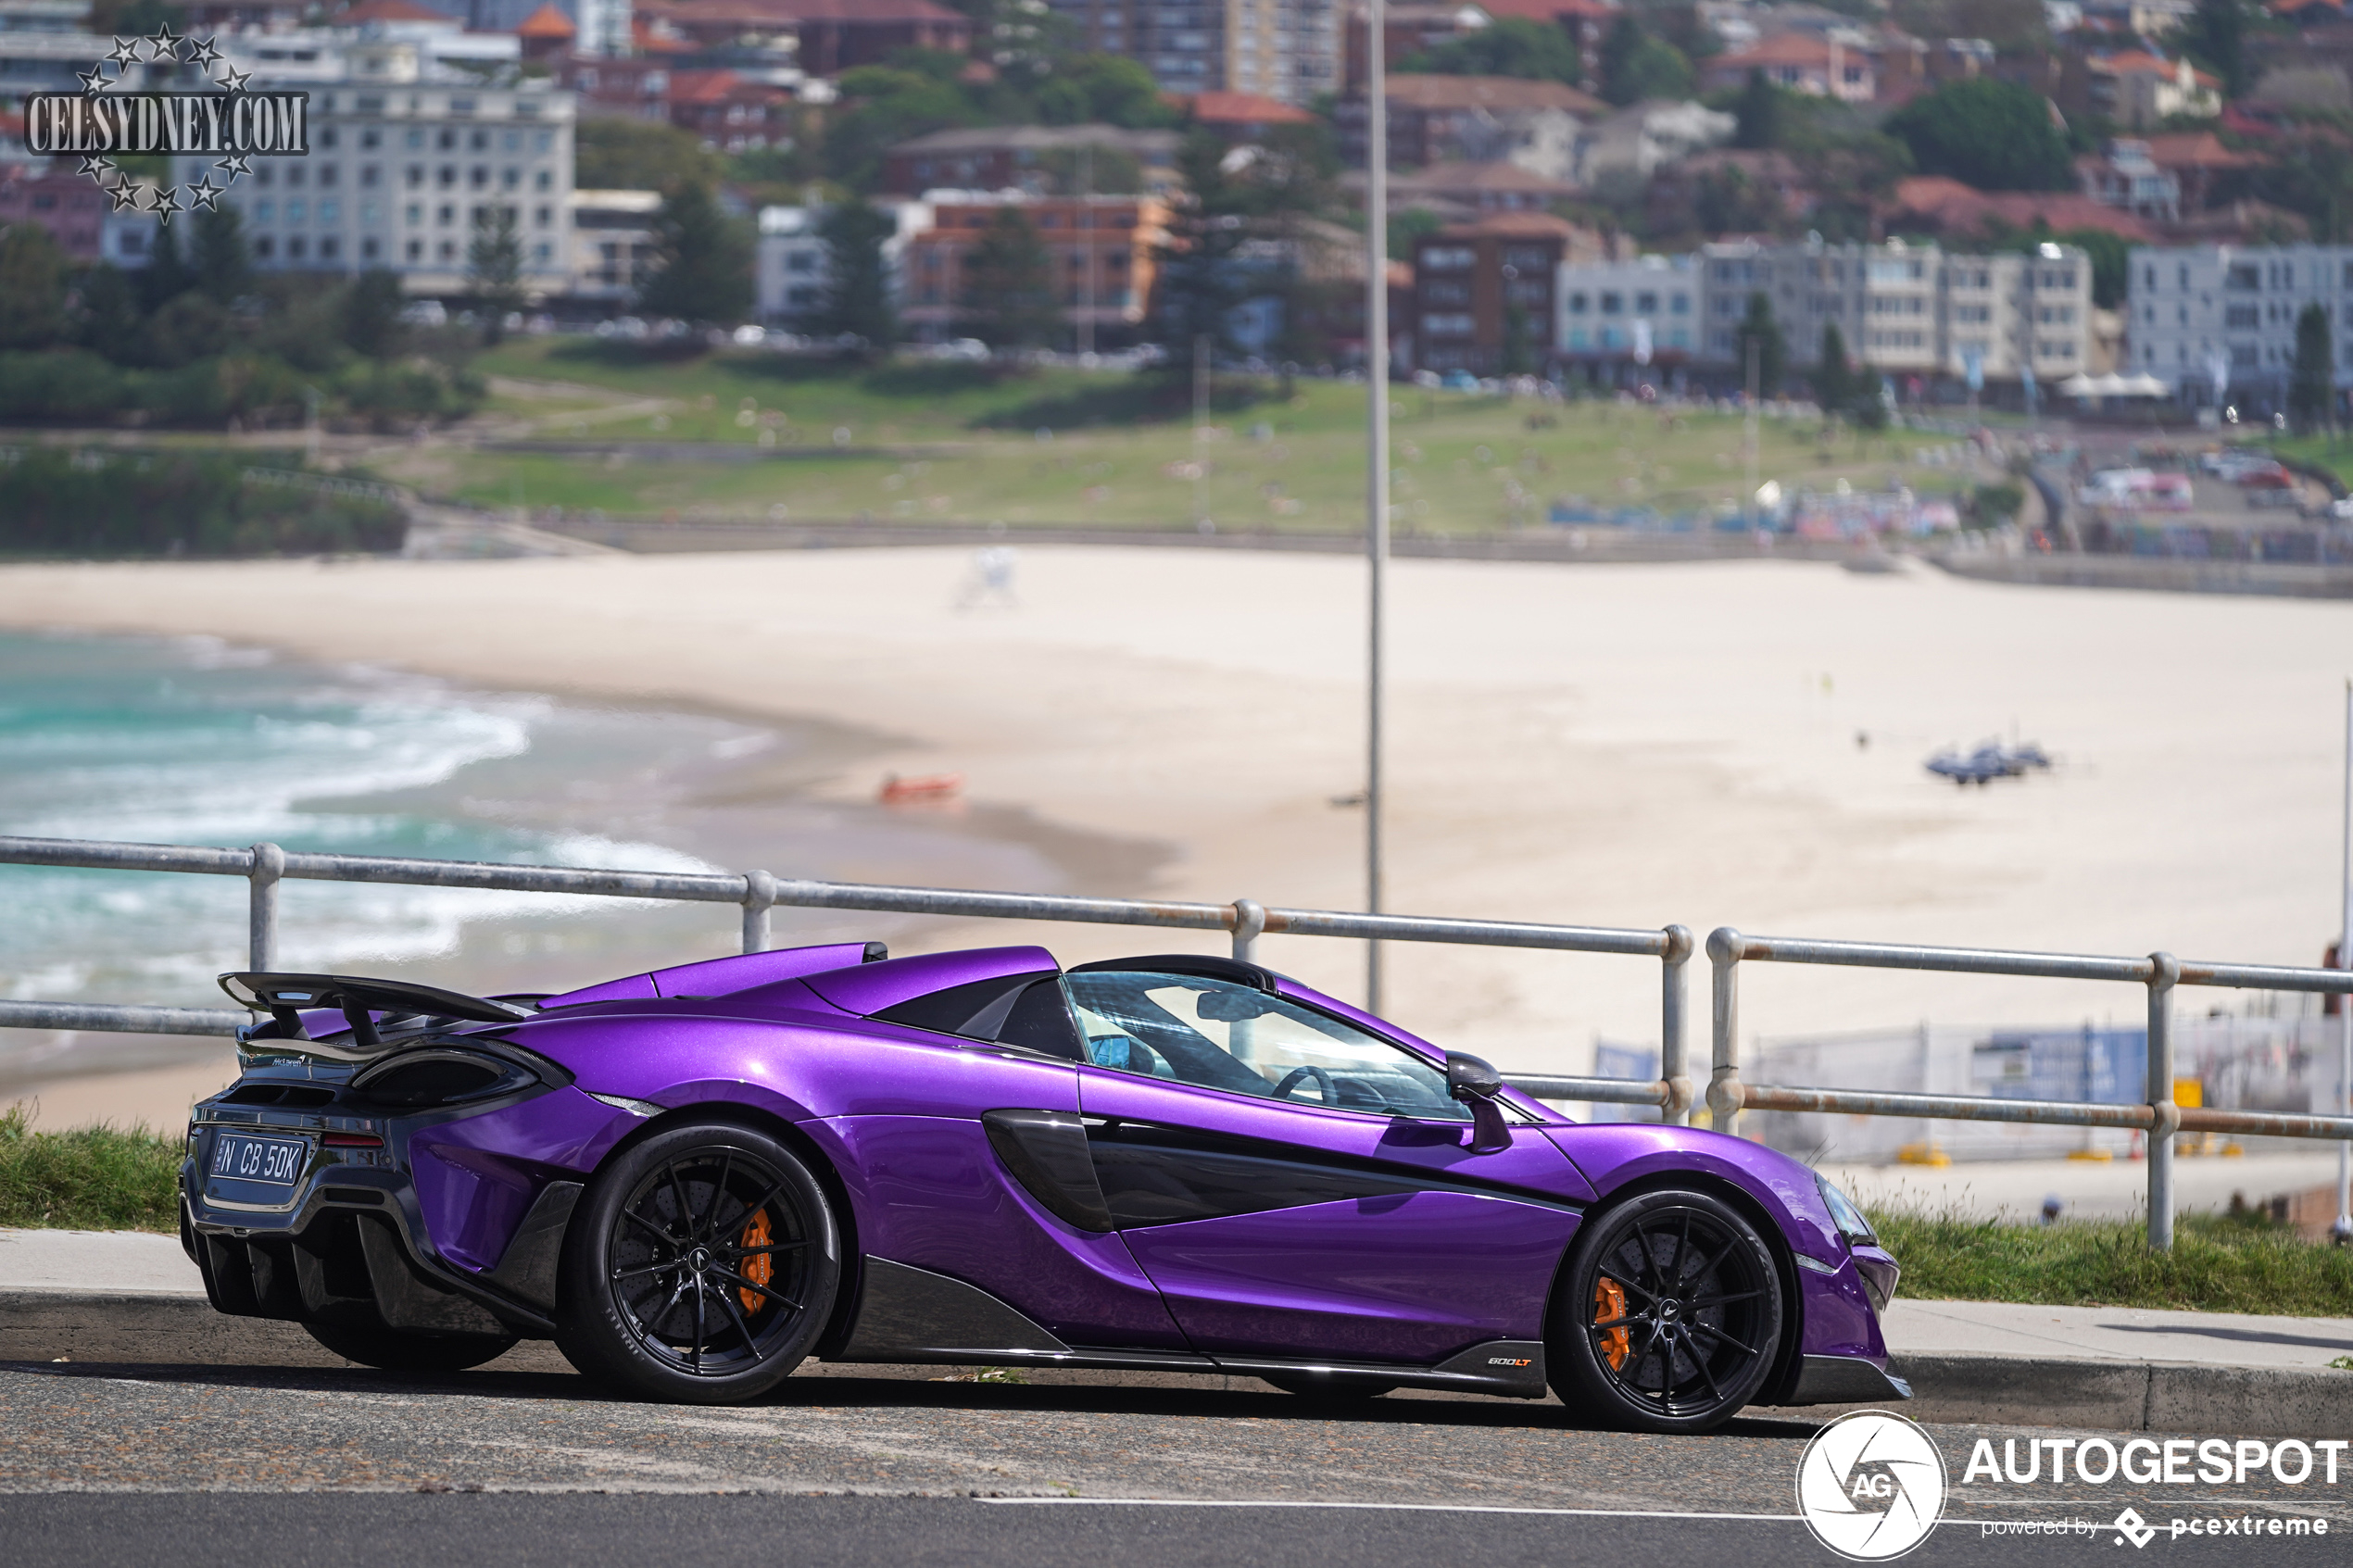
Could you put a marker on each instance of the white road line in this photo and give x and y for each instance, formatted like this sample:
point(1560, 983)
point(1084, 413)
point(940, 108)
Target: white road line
point(1403, 1506)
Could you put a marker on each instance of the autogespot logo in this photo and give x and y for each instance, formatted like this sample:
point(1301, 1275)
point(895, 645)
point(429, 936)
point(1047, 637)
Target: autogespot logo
point(108, 119)
point(1871, 1486)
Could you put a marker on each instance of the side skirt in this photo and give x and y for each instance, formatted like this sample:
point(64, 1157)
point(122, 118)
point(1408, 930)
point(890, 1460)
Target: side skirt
point(910, 1315)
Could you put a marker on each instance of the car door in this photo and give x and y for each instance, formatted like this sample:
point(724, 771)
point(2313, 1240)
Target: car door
point(1298, 1187)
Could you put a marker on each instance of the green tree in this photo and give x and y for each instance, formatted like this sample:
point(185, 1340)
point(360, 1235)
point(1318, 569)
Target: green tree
point(1102, 90)
point(2312, 388)
point(166, 276)
point(33, 287)
point(1994, 135)
point(704, 259)
point(494, 270)
point(1008, 291)
point(2215, 36)
point(1834, 382)
point(1761, 114)
point(111, 323)
point(1199, 283)
point(882, 105)
point(612, 153)
point(857, 301)
point(371, 307)
point(1510, 47)
point(1636, 66)
point(223, 263)
point(1772, 354)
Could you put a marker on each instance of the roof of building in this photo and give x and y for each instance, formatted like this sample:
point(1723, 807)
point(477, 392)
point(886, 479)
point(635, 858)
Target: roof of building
point(1037, 138)
point(1419, 91)
point(1245, 109)
point(1954, 207)
point(1781, 49)
point(1443, 177)
point(389, 11)
point(1528, 225)
point(2195, 149)
point(546, 22)
point(712, 86)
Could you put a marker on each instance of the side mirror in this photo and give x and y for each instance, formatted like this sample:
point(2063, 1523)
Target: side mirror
point(1474, 1080)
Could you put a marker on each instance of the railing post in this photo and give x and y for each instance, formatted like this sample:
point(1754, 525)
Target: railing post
point(2165, 1116)
point(261, 919)
point(1724, 946)
point(1249, 920)
point(760, 896)
point(1672, 1065)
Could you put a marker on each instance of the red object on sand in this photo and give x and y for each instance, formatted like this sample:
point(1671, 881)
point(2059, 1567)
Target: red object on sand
point(897, 791)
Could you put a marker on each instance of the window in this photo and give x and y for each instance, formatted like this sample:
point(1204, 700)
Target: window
point(1679, 305)
point(1612, 304)
point(1577, 303)
point(1222, 1034)
point(1446, 292)
point(415, 250)
point(2243, 275)
point(1446, 258)
point(369, 248)
point(542, 180)
point(368, 176)
point(1452, 325)
point(543, 217)
point(412, 214)
point(1646, 305)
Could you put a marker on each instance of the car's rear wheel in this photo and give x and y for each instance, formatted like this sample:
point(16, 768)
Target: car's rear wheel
point(396, 1350)
point(1328, 1384)
point(1669, 1314)
point(700, 1266)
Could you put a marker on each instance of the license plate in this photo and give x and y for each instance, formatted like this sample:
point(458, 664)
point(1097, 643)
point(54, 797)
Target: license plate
point(275, 1161)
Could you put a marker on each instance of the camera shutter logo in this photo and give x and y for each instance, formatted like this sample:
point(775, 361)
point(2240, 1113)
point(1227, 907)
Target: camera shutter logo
point(1871, 1486)
point(112, 119)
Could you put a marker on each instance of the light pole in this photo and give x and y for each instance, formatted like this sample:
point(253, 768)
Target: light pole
point(1203, 346)
point(2343, 1229)
point(1376, 455)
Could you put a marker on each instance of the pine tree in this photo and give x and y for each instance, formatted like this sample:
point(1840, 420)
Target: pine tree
point(1833, 385)
point(2312, 388)
point(706, 257)
point(224, 264)
point(857, 301)
point(1009, 284)
point(1772, 352)
point(1759, 114)
point(33, 287)
point(494, 270)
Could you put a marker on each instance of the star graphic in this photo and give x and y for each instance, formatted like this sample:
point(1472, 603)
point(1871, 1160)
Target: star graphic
point(95, 79)
point(125, 52)
point(206, 194)
point(203, 54)
point(95, 168)
point(167, 203)
point(164, 43)
point(234, 81)
point(125, 196)
point(233, 166)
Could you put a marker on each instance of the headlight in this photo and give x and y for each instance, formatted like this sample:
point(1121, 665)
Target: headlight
point(1844, 1214)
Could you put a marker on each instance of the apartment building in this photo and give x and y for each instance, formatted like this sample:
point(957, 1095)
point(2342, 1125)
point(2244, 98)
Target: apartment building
point(1103, 251)
point(1286, 50)
point(1644, 309)
point(1485, 292)
point(1909, 310)
point(2197, 312)
point(405, 158)
point(793, 270)
point(613, 247)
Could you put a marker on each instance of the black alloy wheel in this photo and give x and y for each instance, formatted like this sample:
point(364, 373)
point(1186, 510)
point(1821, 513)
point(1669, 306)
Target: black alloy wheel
point(397, 1351)
point(1669, 1314)
point(700, 1267)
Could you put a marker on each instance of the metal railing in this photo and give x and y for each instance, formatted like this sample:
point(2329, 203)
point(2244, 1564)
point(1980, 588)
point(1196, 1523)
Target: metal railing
point(266, 866)
point(2158, 1117)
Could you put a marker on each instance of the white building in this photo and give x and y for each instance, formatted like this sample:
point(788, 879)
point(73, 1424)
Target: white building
point(613, 243)
point(408, 153)
point(1909, 310)
point(790, 274)
point(1643, 309)
point(2196, 311)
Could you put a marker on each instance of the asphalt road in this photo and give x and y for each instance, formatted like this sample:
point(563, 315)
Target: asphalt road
point(256, 1466)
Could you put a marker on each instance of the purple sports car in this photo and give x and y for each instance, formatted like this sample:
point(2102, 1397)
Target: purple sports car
point(691, 1180)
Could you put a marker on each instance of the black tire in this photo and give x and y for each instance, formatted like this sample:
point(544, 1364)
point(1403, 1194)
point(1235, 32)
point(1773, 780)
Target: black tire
point(1699, 1326)
point(661, 1289)
point(396, 1350)
point(1327, 1384)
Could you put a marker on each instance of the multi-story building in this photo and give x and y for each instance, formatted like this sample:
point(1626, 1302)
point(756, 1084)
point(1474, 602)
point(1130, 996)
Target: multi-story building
point(1644, 309)
point(406, 159)
point(1909, 309)
point(1475, 119)
point(793, 267)
point(613, 243)
point(1288, 50)
point(1485, 292)
point(1103, 251)
point(2199, 314)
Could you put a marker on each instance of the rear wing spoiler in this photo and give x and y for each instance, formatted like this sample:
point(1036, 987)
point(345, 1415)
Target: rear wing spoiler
point(359, 999)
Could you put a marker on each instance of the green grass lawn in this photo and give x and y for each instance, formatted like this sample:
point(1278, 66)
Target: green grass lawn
point(964, 442)
point(2218, 1264)
point(97, 1179)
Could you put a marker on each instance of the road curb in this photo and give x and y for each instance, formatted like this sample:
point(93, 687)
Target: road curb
point(178, 1329)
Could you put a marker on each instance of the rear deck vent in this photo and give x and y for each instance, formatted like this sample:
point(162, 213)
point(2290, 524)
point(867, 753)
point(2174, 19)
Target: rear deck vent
point(432, 1080)
point(279, 1094)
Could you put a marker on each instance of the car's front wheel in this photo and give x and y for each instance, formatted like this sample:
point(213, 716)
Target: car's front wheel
point(395, 1350)
point(699, 1267)
point(1668, 1317)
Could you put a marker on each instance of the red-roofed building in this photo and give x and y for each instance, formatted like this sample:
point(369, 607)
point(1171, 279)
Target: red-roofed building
point(728, 113)
point(1242, 117)
point(547, 34)
point(1484, 292)
point(1819, 66)
point(2135, 90)
point(1947, 206)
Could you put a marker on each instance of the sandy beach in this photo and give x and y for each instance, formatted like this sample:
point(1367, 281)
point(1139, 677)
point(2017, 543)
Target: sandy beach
point(1737, 744)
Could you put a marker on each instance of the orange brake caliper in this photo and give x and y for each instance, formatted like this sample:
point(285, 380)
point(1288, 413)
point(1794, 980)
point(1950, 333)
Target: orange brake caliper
point(1609, 1306)
point(761, 1267)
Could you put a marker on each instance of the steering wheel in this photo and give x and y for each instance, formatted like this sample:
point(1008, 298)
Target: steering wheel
point(1325, 1087)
